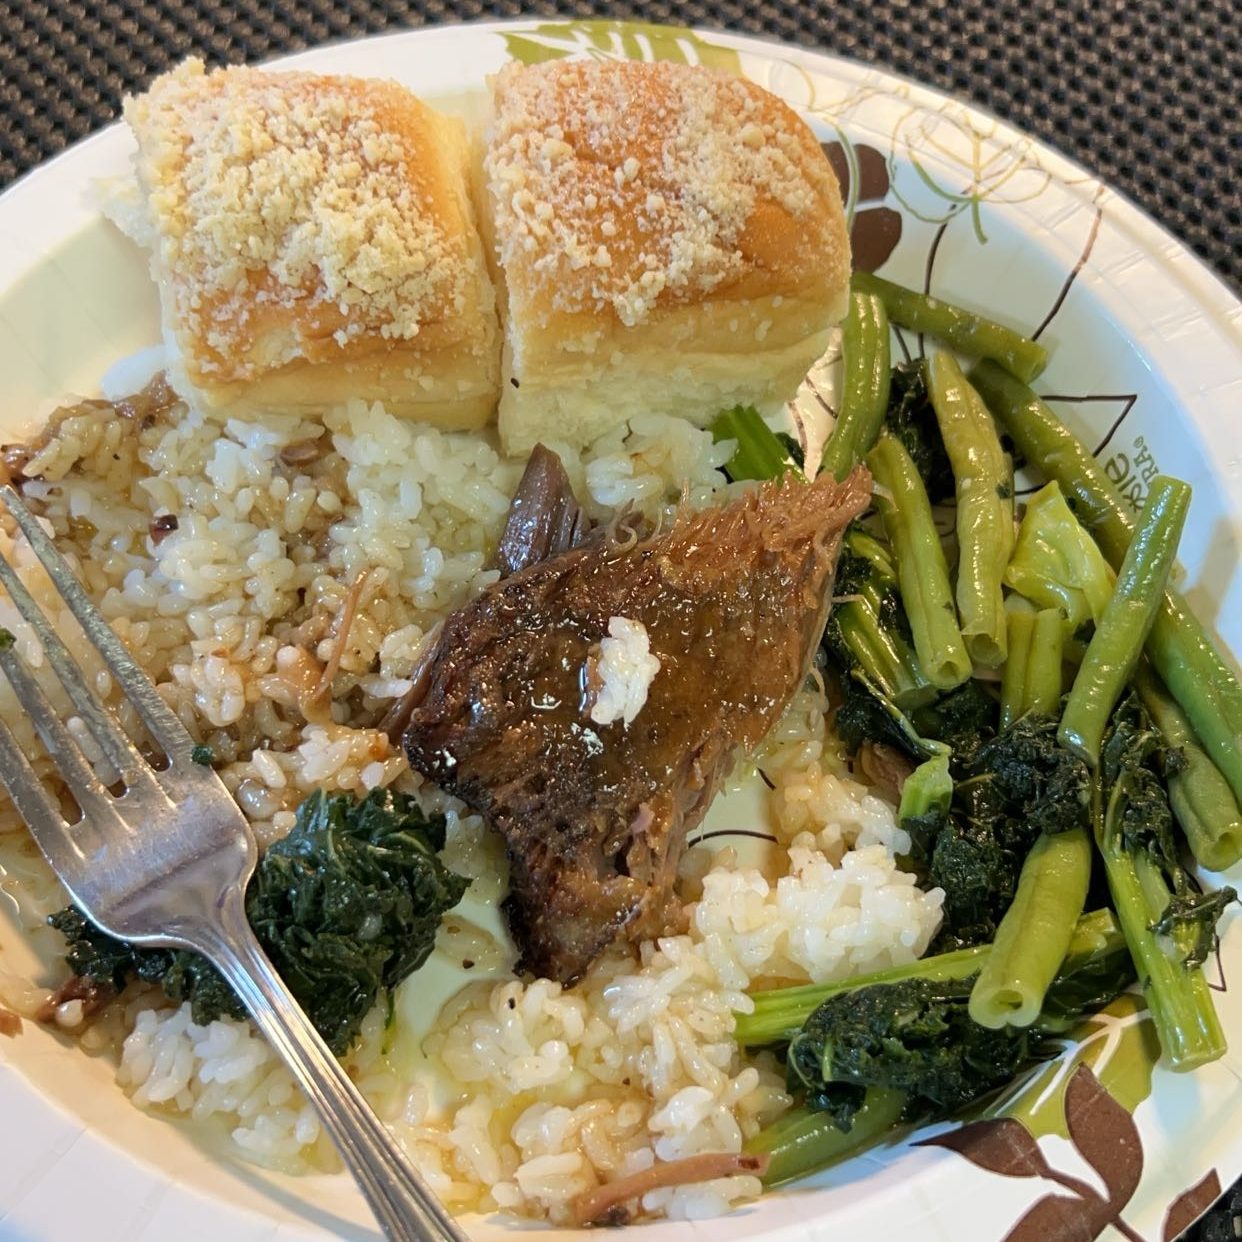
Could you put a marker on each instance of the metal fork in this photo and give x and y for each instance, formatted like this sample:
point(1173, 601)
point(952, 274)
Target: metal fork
point(166, 862)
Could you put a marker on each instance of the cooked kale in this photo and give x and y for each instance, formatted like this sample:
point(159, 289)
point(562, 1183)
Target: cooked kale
point(866, 715)
point(867, 630)
point(1030, 776)
point(346, 905)
point(1014, 786)
point(963, 719)
point(183, 976)
point(915, 1036)
point(911, 418)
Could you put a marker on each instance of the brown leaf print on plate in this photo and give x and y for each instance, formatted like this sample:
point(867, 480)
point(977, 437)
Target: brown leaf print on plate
point(1105, 1134)
point(1190, 1205)
point(875, 230)
point(1107, 1139)
point(1002, 1146)
point(1057, 1218)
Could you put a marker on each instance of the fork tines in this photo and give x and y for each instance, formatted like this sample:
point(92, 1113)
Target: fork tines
point(100, 818)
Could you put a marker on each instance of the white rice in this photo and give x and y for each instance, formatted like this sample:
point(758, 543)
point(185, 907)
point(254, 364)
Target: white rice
point(233, 614)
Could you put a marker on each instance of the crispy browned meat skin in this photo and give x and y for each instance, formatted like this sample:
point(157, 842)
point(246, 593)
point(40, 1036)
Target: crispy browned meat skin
point(734, 600)
point(544, 516)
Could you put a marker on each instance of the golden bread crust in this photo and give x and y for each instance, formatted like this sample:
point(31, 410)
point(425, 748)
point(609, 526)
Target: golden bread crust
point(302, 222)
point(667, 238)
point(620, 188)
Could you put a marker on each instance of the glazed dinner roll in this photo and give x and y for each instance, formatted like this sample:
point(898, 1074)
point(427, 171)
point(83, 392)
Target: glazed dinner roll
point(668, 239)
point(314, 240)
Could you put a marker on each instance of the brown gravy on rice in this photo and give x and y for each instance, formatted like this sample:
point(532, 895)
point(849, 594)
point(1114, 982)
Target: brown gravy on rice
point(300, 546)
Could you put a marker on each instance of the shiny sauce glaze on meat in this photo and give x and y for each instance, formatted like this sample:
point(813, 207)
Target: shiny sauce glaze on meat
point(594, 817)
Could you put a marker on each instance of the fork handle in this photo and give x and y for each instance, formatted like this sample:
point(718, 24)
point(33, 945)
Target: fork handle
point(406, 1210)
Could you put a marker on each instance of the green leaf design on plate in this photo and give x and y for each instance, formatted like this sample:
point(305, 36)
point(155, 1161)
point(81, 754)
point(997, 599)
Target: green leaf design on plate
point(1119, 1044)
point(604, 40)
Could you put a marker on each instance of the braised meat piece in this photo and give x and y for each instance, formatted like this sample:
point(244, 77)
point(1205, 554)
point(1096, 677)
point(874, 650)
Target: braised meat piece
point(595, 816)
point(544, 516)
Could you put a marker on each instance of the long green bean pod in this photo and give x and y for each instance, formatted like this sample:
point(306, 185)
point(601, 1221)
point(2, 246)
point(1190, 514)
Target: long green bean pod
point(804, 1141)
point(1183, 653)
point(983, 481)
point(1031, 678)
point(1178, 996)
point(1117, 644)
point(973, 334)
point(1202, 801)
point(921, 569)
point(1033, 937)
point(865, 350)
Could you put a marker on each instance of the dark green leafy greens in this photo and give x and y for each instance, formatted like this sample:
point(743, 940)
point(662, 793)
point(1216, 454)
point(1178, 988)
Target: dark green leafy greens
point(183, 976)
point(914, 1035)
point(346, 905)
point(911, 418)
point(1014, 786)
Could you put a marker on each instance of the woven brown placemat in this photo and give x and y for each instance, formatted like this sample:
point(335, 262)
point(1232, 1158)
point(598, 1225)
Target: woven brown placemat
point(1142, 92)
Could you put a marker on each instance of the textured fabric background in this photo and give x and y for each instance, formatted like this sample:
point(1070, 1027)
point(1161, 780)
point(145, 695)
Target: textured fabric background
point(1142, 92)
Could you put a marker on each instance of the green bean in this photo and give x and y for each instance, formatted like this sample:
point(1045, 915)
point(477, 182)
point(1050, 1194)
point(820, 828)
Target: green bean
point(1043, 679)
point(972, 334)
point(759, 453)
point(1117, 644)
point(1031, 678)
point(864, 398)
point(1199, 795)
point(1021, 630)
point(804, 1141)
point(983, 480)
point(921, 568)
point(1035, 934)
point(1184, 655)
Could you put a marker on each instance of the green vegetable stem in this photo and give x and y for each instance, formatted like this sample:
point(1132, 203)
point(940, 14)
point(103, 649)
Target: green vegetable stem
point(1168, 924)
point(1034, 936)
point(929, 788)
point(900, 1045)
point(865, 627)
point(1200, 796)
point(1117, 644)
point(921, 567)
point(804, 1140)
point(778, 1014)
point(864, 397)
point(984, 485)
point(1031, 678)
point(973, 334)
point(760, 453)
point(1181, 650)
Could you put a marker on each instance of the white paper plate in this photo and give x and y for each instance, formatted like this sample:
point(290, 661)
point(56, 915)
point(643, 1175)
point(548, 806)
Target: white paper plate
point(1147, 363)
